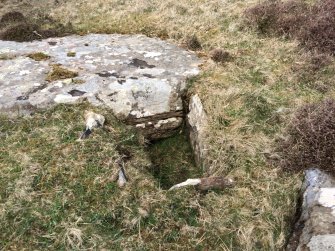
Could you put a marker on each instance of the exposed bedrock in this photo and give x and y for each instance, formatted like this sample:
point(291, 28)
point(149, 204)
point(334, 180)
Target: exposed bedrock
point(140, 79)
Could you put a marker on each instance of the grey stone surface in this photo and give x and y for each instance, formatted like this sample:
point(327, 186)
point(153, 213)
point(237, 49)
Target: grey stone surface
point(315, 229)
point(197, 123)
point(140, 79)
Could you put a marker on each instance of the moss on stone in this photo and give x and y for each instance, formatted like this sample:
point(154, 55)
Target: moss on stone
point(58, 72)
point(38, 56)
point(71, 54)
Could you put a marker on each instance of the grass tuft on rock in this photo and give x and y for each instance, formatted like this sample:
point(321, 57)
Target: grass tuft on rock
point(71, 54)
point(38, 56)
point(58, 72)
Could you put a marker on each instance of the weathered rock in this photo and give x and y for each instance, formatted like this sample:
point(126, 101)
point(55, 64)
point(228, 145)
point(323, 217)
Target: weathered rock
point(315, 229)
point(197, 122)
point(140, 79)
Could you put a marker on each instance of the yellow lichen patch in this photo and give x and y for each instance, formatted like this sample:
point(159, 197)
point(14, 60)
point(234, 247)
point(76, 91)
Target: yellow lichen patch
point(71, 54)
point(58, 72)
point(38, 56)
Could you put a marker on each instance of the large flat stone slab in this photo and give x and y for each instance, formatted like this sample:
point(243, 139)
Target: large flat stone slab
point(140, 79)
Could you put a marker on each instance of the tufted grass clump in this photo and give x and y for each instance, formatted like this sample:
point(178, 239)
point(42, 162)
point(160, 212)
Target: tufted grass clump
point(12, 16)
point(38, 56)
point(309, 138)
point(193, 43)
point(58, 72)
point(313, 25)
point(220, 56)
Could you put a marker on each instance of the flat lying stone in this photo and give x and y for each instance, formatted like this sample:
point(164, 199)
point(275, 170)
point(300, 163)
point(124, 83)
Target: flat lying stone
point(140, 79)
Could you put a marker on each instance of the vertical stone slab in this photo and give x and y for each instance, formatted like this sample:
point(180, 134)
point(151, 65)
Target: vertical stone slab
point(315, 228)
point(197, 123)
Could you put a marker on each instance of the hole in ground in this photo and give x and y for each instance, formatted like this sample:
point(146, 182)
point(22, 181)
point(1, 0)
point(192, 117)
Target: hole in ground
point(173, 160)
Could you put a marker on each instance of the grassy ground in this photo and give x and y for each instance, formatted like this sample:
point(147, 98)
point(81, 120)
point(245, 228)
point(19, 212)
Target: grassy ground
point(60, 193)
point(249, 101)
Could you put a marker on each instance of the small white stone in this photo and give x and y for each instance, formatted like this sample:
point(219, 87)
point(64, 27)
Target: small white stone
point(24, 72)
point(67, 81)
point(152, 54)
point(59, 84)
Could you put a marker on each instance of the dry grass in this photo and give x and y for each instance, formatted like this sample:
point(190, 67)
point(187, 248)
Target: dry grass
point(248, 100)
point(38, 56)
point(58, 72)
point(59, 193)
